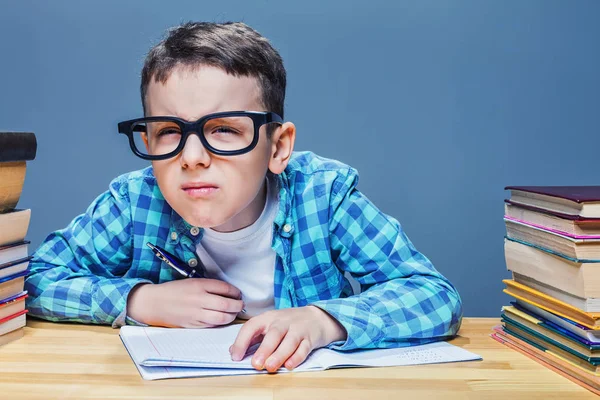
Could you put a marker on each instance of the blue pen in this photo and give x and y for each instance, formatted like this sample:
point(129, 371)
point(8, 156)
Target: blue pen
point(176, 264)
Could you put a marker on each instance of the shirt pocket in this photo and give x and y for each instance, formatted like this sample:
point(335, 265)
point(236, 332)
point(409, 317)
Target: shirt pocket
point(321, 282)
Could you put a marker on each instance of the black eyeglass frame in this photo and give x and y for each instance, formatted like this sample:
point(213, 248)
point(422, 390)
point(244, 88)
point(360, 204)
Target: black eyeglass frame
point(259, 118)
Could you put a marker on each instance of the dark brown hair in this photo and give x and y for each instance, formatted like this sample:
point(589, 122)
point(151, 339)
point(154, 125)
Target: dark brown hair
point(232, 46)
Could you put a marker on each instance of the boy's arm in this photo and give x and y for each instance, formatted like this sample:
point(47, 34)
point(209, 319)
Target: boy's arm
point(404, 299)
point(75, 274)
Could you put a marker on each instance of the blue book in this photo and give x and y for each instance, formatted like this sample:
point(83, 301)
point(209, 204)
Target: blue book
point(561, 324)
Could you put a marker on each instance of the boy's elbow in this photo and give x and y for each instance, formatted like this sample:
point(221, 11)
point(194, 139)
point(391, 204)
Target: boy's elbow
point(455, 311)
point(447, 319)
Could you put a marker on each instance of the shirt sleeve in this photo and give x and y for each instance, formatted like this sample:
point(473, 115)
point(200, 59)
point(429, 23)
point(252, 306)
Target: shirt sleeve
point(77, 272)
point(404, 299)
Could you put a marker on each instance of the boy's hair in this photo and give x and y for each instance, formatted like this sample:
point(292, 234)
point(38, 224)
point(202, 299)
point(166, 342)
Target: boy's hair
point(232, 46)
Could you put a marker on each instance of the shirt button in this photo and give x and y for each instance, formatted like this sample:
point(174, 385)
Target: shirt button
point(287, 228)
point(192, 262)
point(173, 235)
point(194, 231)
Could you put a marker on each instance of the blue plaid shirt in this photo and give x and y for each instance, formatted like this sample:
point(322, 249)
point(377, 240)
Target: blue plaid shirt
point(324, 227)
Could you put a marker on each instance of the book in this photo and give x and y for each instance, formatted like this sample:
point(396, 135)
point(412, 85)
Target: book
point(549, 303)
point(581, 201)
point(549, 348)
point(16, 148)
point(13, 226)
point(12, 284)
point(590, 305)
point(564, 367)
point(14, 251)
point(578, 278)
point(13, 304)
point(580, 249)
point(550, 230)
point(11, 336)
point(538, 217)
point(551, 333)
point(12, 178)
point(542, 341)
point(570, 217)
point(12, 322)
point(536, 318)
point(574, 361)
point(14, 267)
point(206, 350)
point(580, 330)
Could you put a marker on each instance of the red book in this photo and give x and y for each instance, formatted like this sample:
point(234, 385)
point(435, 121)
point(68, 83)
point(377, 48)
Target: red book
point(13, 305)
point(13, 316)
point(12, 322)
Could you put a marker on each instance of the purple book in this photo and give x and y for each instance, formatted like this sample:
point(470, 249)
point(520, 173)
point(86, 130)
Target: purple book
point(577, 194)
point(579, 203)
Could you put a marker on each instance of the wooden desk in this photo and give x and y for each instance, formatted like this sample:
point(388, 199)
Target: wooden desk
point(70, 361)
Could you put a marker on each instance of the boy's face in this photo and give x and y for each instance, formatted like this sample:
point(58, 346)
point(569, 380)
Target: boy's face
point(210, 191)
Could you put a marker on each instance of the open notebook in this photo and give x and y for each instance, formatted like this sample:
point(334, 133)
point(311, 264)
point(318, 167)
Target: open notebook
point(161, 353)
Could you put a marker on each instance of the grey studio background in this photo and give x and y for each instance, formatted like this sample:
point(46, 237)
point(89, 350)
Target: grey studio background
point(438, 104)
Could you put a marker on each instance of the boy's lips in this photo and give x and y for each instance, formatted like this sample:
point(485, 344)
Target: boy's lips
point(199, 189)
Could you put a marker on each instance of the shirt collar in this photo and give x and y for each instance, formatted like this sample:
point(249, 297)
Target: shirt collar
point(283, 219)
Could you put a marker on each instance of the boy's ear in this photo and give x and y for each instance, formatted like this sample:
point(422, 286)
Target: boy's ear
point(145, 139)
point(282, 145)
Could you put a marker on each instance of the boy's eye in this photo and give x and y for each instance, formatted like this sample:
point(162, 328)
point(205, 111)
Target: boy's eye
point(224, 129)
point(169, 131)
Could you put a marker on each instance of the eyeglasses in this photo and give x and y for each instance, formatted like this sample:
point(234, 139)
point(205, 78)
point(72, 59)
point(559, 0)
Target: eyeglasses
point(228, 133)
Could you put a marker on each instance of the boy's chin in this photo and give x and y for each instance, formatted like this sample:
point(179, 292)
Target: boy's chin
point(203, 221)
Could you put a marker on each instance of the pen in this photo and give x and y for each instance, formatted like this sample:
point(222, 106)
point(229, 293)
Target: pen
point(176, 264)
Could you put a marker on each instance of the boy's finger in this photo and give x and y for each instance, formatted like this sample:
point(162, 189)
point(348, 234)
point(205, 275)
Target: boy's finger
point(257, 339)
point(299, 356)
point(271, 341)
point(221, 303)
point(215, 318)
point(249, 331)
point(215, 286)
point(288, 346)
point(252, 346)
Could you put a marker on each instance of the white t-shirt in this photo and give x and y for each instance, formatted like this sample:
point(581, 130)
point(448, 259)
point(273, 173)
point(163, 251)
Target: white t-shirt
point(245, 258)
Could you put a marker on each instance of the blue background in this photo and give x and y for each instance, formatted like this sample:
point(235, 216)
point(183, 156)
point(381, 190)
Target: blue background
point(438, 104)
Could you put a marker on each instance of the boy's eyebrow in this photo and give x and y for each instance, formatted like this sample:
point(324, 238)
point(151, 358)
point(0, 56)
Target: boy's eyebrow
point(175, 115)
point(220, 120)
point(166, 112)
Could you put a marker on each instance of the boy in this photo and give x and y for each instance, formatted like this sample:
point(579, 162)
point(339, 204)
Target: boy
point(271, 232)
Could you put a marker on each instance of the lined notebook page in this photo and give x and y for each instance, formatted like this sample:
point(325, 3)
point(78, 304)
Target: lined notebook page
point(207, 346)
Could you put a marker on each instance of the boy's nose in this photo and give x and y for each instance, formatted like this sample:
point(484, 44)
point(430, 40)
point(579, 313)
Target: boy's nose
point(194, 154)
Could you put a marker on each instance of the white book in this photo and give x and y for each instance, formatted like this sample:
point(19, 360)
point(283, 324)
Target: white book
point(161, 353)
point(13, 268)
point(13, 252)
point(13, 324)
point(13, 226)
point(590, 305)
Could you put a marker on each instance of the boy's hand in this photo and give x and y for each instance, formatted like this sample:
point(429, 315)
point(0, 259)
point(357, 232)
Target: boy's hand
point(287, 335)
point(187, 303)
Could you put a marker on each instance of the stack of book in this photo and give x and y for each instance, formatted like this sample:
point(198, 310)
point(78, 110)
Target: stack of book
point(552, 248)
point(16, 148)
